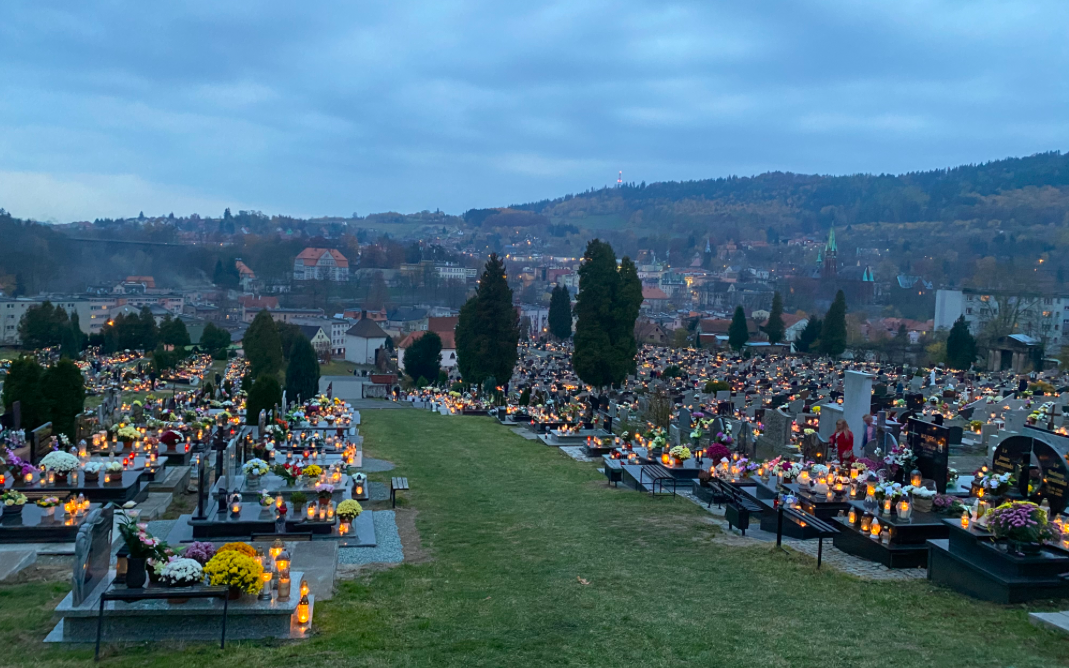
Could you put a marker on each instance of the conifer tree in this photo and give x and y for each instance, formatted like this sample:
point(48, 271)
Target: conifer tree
point(560, 313)
point(262, 345)
point(488, 329)
point(738, 332)
point(774, 328)
point(302, 373)
point(833, 331)
point(961, 346)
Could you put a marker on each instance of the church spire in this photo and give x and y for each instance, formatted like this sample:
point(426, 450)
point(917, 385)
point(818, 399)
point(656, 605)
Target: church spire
point(831, 241)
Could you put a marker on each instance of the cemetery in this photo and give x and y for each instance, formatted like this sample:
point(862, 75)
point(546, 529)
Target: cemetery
point(282, 494)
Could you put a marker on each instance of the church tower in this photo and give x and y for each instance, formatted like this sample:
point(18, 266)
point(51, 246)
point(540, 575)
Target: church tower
point(830, 255)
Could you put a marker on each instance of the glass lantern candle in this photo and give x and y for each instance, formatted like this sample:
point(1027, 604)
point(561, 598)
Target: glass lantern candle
point(311, 511)
point(874, 528)
point(303, 610)
point(915, 478)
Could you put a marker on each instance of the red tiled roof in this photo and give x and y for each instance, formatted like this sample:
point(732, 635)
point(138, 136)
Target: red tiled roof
point(653, 293)
point(443, 324)
point(250, 301)
point(311, 256)
point(448, 339)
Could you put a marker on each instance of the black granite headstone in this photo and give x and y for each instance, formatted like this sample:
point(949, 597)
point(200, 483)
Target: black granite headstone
point(931, 446)
point(92, 553)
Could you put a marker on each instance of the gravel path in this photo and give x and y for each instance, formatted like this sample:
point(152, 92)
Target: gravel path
point(376, 465)
point(387, 551)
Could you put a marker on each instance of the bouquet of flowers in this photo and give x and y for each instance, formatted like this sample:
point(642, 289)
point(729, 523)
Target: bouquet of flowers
point(888, 490)
point(993, 483)
point(817, 470)
point(113, 466)
point(199, 552)
point(139, 542)
point(16, 465)
point(265, 499)
point(1021, 521)
point(48, 502)
point(324, 490)
point(288, 472)
point(680, 452)
point(717, 451)
point(234, 569)
point(255, 466)
point(92, 469)
point(900, 457)
point(348, 510)
point(13, 498)
point(182, 572)
point(947, 505)
point(311, 471)
point(60, 462)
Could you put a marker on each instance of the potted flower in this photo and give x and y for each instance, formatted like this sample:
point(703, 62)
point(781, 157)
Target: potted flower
point(181, 572)
point(311, 472)
point(14, 502)
point(61, 464)
point(680, 454)
point(92, 470)
point(48, 503)
point(127, 434)
point(235, 569)
point(114, 467)
point(324, 491)
point(945, 504)
point(349, 510)
point(140, 546)
point(1022, 524)
point(298, 499)
point(253, 469)
point(199, 552)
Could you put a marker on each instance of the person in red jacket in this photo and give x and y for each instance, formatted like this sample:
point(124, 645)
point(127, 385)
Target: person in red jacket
point(843, 440)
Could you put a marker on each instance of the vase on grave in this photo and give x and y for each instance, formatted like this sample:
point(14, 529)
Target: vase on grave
point(135, 572)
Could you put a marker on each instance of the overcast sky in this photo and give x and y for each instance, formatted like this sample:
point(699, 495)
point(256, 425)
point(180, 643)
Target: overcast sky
point(330, 108)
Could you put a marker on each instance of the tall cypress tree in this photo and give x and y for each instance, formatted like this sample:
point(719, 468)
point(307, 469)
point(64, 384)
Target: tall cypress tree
point(262, 345)
point(738, 332)
point(606, 309)
point(23, 384)
point(774, 327)
point(424, 357)
point(264, 394)
point(488, 329)
point(810, 335)
point(833, 332)
point(961, 346)
point(560, 313)
point(64, 390)
point(302, 374)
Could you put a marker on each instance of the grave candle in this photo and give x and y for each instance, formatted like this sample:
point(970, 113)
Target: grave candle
point(51, 477)
point(874, 528)
point(311, 511)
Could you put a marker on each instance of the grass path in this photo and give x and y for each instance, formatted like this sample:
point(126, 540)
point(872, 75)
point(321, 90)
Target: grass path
point(512, 526)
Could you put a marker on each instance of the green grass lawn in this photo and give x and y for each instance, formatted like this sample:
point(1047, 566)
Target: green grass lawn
point(512, 526)
point(337, 368)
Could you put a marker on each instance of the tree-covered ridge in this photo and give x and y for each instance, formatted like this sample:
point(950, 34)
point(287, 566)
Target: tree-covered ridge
point(958, 193)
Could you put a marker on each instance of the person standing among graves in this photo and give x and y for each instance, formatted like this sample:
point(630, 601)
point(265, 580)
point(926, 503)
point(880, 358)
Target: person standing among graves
point(869, 429)
point(843, 440)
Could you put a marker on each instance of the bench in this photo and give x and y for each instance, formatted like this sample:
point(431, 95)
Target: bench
point(738, 505)
point(397, 485)
point(157, 593)
point(613, 471)
point(658, 475)
point(803, 519)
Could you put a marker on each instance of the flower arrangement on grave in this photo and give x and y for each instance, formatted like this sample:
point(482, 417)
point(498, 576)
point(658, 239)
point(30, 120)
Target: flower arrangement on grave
point(988, 482)
point(888, 490)
point(62, 463)
point(16, 465)
point(899, 458)
point(945, 504)
point(975, 426)
point(288, 472)
point(92, 470)
point(255, 467)
point(13, 500)
point(952, 477)
point(1019, 522)
point(182, 572)
point(127, 434)
point(113, 466)
point(140, 544)
point(348, 510)
point(235, 569)
point(680, 452)
point(746, 467)
point(922, 497)
point(47, 502)
point(265, 499)
point(717, 451)
point(311, 472)
point(324, 491)
point(201, 552)
point(238, 546)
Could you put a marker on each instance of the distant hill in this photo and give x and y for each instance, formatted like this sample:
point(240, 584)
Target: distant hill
point(1027, 191)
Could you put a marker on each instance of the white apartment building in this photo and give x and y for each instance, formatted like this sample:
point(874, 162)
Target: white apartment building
point(1043, 318)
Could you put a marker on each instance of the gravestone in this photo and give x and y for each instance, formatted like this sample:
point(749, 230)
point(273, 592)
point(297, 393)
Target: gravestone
point(231, 456)
point(829, 415)
point(796, 406)
point(673, 435)
point(723, 395)
point(684, 419)
point(92, 554)
point(137, 411)
point(857, 401)
point(1015, 419)
point(262, 423)
point(739, 400)
point(931, 446)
